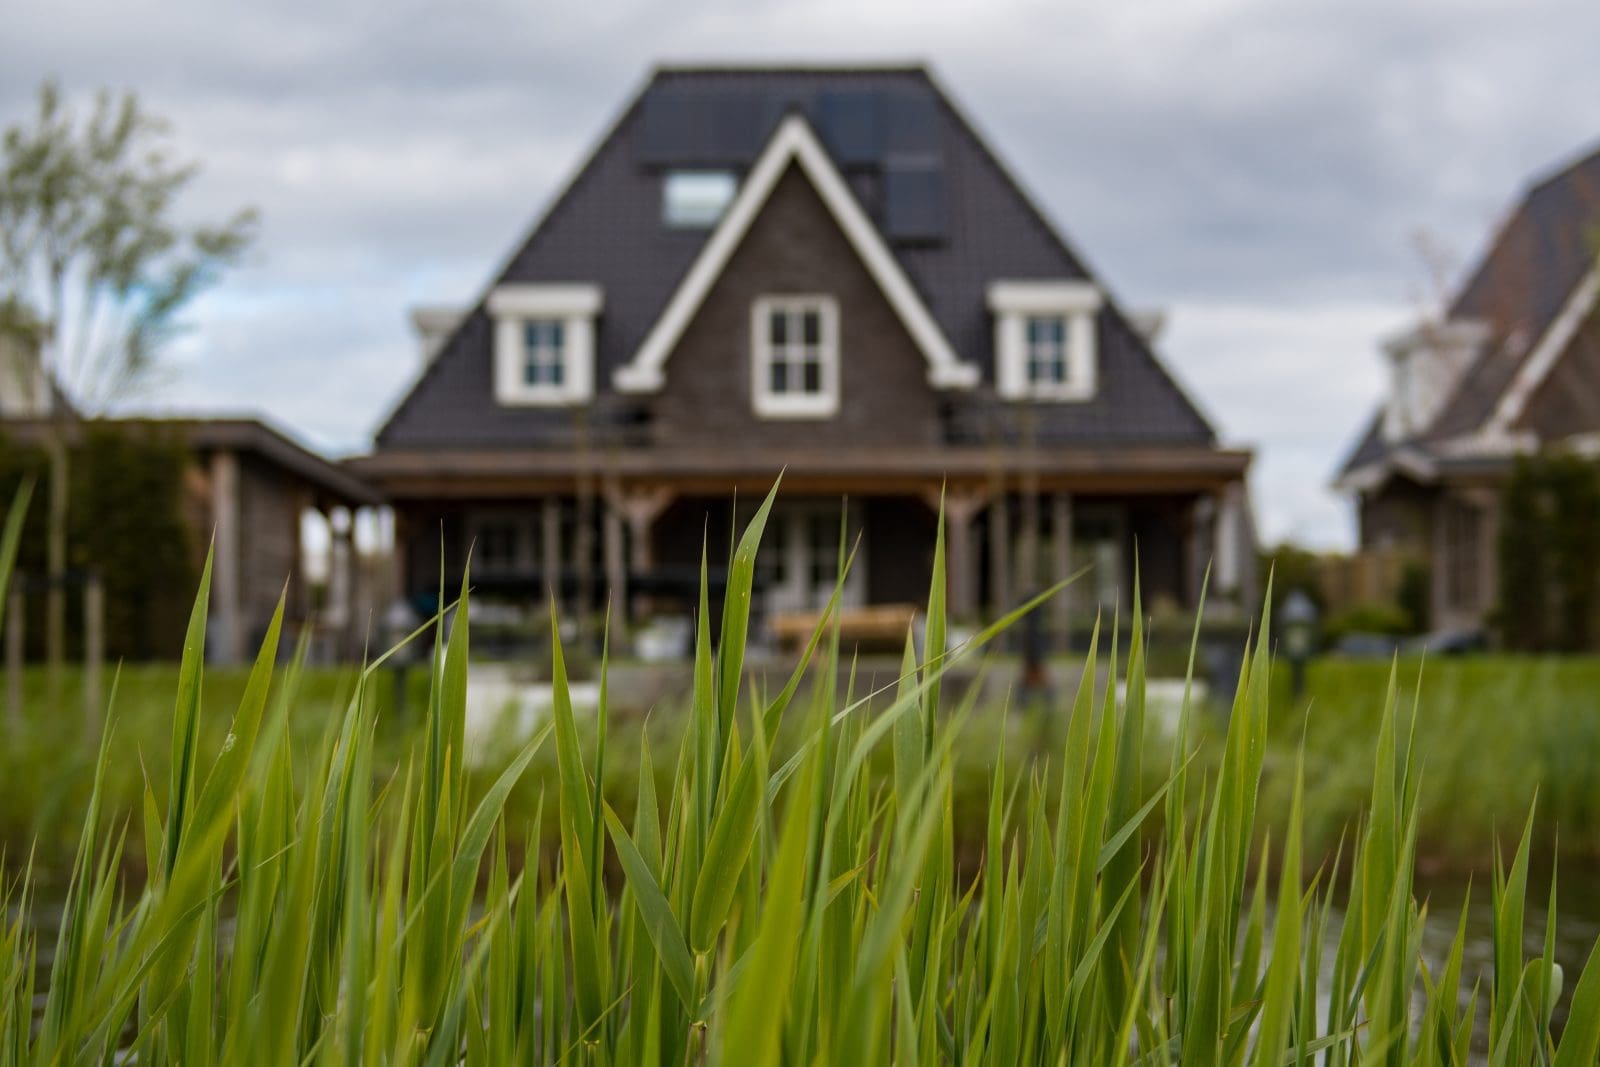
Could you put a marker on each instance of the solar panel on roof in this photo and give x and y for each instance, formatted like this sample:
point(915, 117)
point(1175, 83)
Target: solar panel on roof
point(911, 123)
point(850, 124)
point(699, 127)
point(913, 197)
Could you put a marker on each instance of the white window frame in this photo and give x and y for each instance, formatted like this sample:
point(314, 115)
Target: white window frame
point(514, 308)
point(790, 405)
point(674, 215)
point(1077, 304)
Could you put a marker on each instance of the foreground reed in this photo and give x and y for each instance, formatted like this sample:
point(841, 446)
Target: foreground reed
point(770, 910)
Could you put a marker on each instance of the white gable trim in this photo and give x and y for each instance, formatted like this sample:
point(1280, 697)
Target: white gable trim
point(795, 142)
point(1534, 369)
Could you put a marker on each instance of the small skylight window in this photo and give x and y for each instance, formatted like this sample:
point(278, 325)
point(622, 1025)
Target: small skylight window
point(696, 199)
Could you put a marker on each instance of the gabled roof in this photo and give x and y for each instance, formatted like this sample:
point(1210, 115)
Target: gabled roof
point(605, 228)
point(794, 143)
point(1529, 289)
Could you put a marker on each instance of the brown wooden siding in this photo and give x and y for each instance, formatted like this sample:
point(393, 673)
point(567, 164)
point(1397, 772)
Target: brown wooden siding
point(795, 247)
point(1400, 516)
point(270, 502)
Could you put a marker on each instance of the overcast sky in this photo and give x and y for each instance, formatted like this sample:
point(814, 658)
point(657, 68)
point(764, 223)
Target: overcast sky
point(1260, 170)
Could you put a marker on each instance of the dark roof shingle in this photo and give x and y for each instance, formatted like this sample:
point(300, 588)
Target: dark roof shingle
point(605, 228)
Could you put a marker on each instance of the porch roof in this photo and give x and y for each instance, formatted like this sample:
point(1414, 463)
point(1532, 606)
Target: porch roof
point(444, 473)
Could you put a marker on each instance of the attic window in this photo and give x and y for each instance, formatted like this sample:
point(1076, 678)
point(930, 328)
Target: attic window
point(1045, 339)
point(696, 199)
point(795, 356)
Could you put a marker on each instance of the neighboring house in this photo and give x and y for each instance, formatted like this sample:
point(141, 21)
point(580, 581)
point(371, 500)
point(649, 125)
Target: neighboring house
point(1514, 366)
point(246, 490)
point(824, 272)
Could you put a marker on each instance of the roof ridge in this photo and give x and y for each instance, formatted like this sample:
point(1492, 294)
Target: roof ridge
point(781, 69)
point(1570, 162)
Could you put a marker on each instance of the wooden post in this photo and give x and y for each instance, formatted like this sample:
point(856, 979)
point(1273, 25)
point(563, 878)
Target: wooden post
point(550, 563)
point(639, 509)
point(999, 556)
point(94, 651)
point(961, 507)
point(616, 566)
point(15, 606)
point(1061, 564)
point(227, 627)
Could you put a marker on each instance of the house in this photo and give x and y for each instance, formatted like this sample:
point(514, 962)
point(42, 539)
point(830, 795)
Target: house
point(825, 272)
point(246, 488)
point(1512, 366)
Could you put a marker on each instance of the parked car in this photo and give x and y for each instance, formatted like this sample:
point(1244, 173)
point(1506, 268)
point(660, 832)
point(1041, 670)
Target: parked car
point(1450, 643)
point(1360, 645)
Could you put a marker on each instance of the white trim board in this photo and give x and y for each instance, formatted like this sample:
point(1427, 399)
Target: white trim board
point(1514, 401)
point(794, 142)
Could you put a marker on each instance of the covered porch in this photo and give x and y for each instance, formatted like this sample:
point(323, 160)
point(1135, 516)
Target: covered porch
point(628, 530)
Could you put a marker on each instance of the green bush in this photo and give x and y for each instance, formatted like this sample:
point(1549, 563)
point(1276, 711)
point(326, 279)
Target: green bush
point(1388, 619)
point(126, 524)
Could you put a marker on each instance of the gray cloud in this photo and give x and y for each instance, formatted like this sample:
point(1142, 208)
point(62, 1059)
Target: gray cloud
point(1257, 167)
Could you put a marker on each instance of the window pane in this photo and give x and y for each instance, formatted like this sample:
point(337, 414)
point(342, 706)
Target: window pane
point(555, 331)
point(555, 371)
point(780, 376)
point(812, 334)
point(813, 376)
point(779, 328)
point(695, 199)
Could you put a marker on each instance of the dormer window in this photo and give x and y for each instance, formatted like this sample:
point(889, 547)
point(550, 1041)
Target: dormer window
point(795, 356)
point(1045, 339)
point(544, 343)
point(543, 354)
point(1047, 352)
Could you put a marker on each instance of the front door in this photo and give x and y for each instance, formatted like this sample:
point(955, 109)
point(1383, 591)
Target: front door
point(798, 564)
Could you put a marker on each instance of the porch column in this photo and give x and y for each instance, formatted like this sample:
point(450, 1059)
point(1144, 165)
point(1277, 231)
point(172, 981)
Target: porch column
point(961, 507)
point(341, 527)
point(225, 594)
point(1488, 503)
point(999, 555)
point(550, 547)
point(616, 567)
point(639, 509)
point(1200, 547)
point(1439, 606)
point(1235, 570)
point(1061, 564)
point(401, 555)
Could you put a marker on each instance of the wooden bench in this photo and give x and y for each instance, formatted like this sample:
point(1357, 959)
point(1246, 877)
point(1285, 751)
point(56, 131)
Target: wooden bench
point(878, 626)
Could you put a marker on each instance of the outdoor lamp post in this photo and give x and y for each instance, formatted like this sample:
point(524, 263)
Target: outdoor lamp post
point(398, 622)
point(1299, 618)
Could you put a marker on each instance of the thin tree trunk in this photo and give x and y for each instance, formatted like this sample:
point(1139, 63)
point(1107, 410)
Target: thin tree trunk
point(55, 625)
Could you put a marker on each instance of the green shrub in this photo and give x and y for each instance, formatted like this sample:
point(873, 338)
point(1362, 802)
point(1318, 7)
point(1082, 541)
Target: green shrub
point(1389, 619)
point(126, 524)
